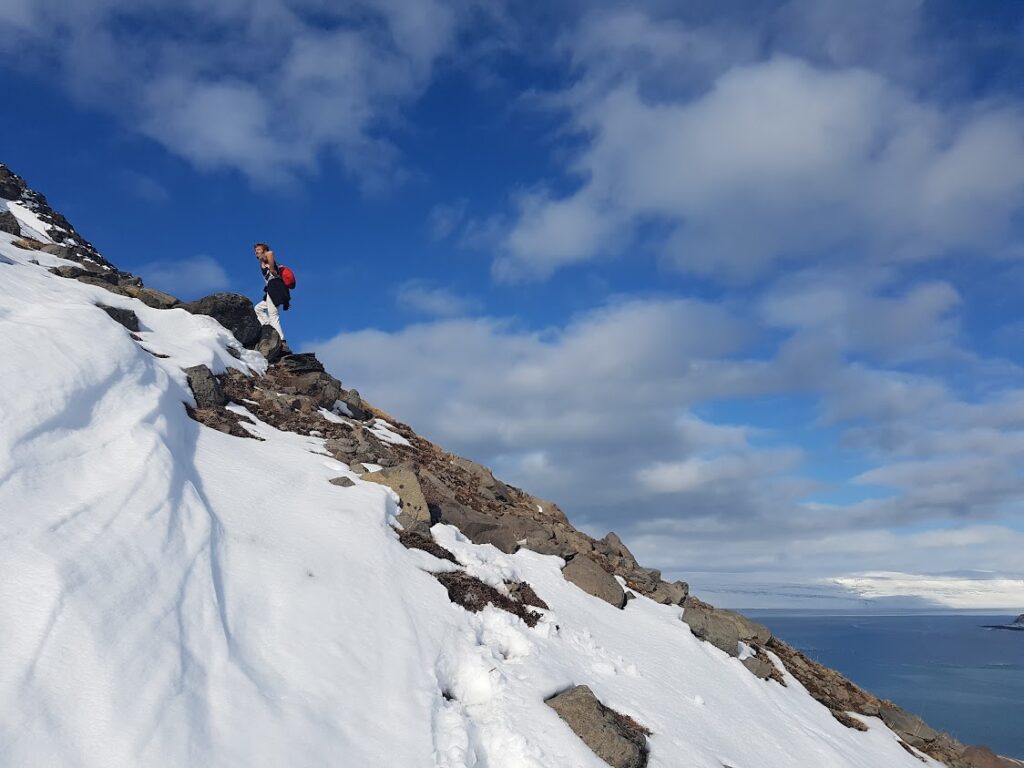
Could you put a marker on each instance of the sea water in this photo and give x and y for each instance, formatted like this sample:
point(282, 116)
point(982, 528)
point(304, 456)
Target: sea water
point(957, 675)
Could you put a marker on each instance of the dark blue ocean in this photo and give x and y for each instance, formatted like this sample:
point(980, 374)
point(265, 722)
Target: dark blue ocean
point(959, 677)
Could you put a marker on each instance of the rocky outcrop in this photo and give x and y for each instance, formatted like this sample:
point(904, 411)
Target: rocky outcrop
point(58, 228)
point(233, 311)
point(618, 740)
point(594, 580)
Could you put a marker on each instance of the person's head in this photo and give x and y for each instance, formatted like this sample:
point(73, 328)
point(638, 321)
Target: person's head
point(260, 249)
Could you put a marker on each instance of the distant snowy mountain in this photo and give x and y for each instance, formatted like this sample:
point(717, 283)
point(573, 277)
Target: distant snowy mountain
point(201, 565)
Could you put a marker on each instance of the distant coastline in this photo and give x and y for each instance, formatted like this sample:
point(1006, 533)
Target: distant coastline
point(1017, 625)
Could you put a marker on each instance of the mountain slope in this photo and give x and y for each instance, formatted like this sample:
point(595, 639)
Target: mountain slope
point(176, 595)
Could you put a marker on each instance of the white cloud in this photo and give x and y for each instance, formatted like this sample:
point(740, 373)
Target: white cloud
point(777, 161)
point(185, 278)
point(422, 297)
point(266, 88)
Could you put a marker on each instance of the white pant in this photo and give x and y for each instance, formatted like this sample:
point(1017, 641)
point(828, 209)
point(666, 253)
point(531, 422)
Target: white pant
point(267, 314)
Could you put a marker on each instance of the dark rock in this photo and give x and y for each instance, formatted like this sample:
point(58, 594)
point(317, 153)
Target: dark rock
point(343, 481)
point(231, 310)
point(9, 224)
point(419, 540)
point(474, 595)
point(270, 344)
point(723, 629)
point(594, 580)
point(304, 362)
point(524, 593)
point(205, 387)
point(618, 740)
point(125, 317)
point(11, 185)
point(220, 419)
point(151, 297)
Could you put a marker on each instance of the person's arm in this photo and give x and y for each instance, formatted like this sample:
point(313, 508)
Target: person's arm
point(271, 262)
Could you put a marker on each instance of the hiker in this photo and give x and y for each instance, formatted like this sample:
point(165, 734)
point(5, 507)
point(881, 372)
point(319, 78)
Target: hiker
point(275, 292)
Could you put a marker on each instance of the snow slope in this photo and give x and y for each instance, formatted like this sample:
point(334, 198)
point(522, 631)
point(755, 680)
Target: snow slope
point(174, 596)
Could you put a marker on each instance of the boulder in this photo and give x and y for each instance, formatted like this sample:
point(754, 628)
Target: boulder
point(614, 738)
point(415, 514)
point(205, 387)
point(270, 344)
point(343, 481)
point(125, 317)
point(54, 249)
point(11, 185)
point(594, 580)
point(723, 629)
point(231, 310)
point(670, 593)
point(9, 224)
point(760, 665)
point(151, 297)
point(911, 728)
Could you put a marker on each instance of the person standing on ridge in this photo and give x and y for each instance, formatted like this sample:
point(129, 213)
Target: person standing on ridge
point(275, 292)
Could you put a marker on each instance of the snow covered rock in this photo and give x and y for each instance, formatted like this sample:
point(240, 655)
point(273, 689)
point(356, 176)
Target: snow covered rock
point(594, 580)
point(616, 739)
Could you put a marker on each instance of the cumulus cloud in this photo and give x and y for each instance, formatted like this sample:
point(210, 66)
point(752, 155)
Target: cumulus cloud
point(778, 162)
point(609, 415)
point(423, 297)
point(267, 88)
point(186, 278)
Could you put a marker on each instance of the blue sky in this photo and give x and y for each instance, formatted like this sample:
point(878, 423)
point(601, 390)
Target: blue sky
point(741, 284)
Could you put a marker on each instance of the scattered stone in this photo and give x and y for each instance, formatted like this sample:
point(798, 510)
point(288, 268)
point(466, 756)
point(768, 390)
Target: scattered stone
point(474, 595)
point(343, 481)
point(415, 512)
point(125, 317)
point(666, 593)
point(418, 540)
point(205, 387)
point(9, 224)
point(270, 344)
point(594, 580)
point(618, 740)
point(231, 310)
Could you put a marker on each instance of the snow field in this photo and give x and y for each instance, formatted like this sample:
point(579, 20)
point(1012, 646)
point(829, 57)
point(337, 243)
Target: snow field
point(174, 596)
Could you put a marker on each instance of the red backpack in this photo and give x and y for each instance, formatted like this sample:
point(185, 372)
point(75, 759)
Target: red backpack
point(287, 276)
